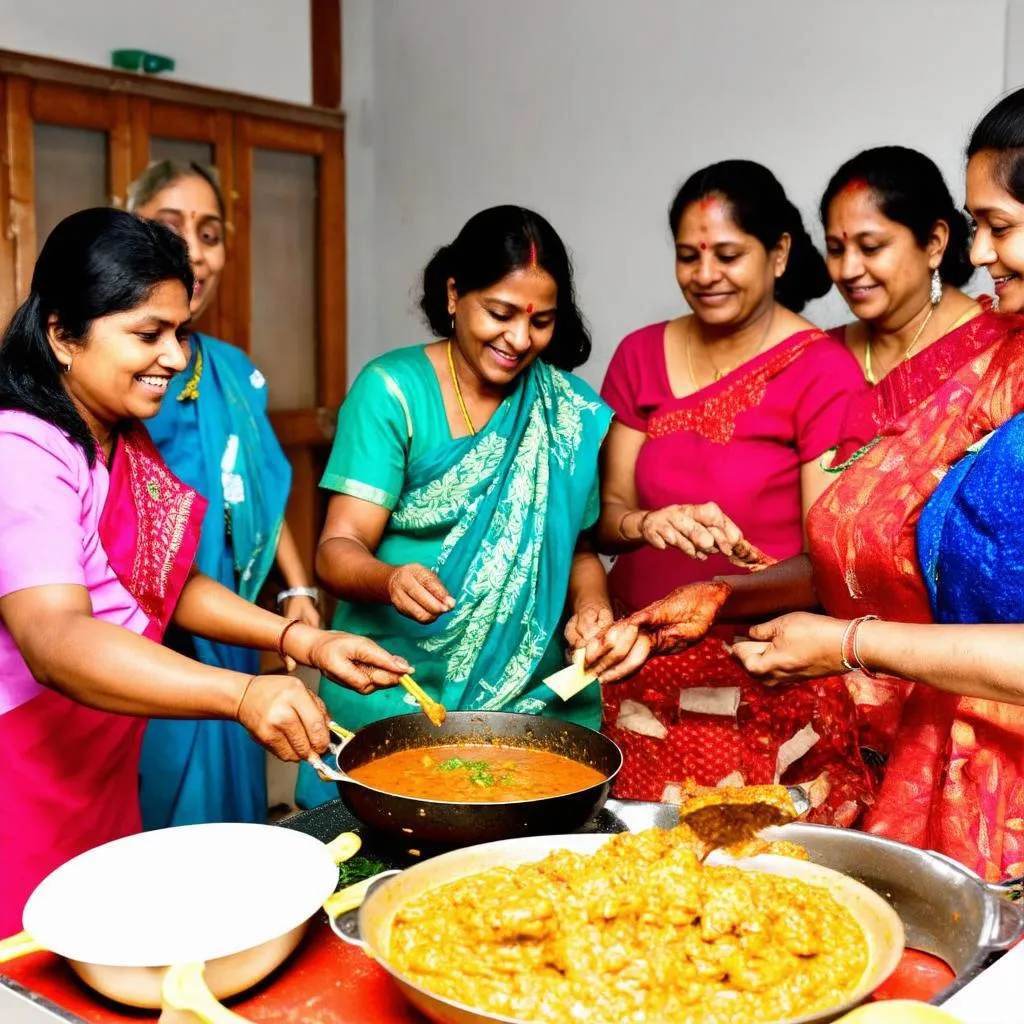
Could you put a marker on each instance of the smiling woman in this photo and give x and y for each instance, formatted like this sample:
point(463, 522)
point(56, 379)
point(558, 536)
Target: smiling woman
point(464, 473)
point(97, 540)
point(214, 433)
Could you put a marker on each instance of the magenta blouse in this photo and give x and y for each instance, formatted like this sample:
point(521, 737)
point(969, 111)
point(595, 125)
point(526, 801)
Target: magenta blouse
point(739, 442)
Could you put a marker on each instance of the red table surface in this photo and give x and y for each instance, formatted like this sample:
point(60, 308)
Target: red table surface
point(325, 981)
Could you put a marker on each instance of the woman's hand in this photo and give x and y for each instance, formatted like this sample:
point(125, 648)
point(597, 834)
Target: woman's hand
point(792, 648)
point(588, 623)
point(614, 650)
point(682, 617)
point(285, 716)
point(696, 530)
point(302, 608)
point(418, 594)
point(348, 659)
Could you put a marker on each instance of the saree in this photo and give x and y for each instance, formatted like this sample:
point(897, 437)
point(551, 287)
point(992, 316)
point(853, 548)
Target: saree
point(971, 550)
point(862, 538)
point(740, 442)
point(213, 431)
point(129, 536)
point(500, 510)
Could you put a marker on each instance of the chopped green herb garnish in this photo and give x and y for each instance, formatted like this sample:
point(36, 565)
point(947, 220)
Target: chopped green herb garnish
point(481, 773)
point(357, 868)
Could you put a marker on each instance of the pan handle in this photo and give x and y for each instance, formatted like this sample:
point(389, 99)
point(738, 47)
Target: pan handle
point(18, 945)
point(343, 907)
point(187, 999)
point(325, 772)
point(1009, 916)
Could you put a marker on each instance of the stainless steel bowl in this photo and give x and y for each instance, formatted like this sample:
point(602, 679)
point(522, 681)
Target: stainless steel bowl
point(946, 909)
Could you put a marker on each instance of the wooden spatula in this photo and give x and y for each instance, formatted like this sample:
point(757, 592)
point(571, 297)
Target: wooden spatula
point(571, 679)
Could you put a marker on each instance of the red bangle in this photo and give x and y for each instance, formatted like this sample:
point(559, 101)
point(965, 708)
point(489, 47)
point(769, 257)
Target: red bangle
point(848, 650)
point(284, 633)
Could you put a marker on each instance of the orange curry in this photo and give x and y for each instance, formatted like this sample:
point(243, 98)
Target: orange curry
point(640, 931)
point(482, 773)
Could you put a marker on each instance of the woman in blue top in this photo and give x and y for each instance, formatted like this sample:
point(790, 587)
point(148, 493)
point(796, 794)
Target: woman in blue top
point(464, 477)
point(213, 431)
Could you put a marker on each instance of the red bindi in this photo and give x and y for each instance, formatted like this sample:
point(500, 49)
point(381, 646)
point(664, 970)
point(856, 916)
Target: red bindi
point(856, 185)
point(846, 237)
point(529, 308)
point(703, 245)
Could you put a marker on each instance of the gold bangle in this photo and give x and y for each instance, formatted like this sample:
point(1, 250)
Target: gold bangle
point(284, 633)
point(245, 690)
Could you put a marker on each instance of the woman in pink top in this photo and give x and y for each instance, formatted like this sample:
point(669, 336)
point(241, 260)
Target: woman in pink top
point(734, 403)
point(97, 539)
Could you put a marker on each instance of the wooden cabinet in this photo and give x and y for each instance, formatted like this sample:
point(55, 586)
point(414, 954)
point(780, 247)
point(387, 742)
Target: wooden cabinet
point(74, 136)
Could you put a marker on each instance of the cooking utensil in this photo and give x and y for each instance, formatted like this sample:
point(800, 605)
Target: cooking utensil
point(418, 822)
point(434, 711)
point(236, 897)
point(946, 909)
point(370, 926)
point(567, 682)
point(725, 815)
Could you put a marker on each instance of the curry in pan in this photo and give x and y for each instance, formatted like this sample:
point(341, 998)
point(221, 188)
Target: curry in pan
point(469, 773)
point(640, 931)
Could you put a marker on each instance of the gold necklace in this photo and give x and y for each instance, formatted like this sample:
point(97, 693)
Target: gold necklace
point(458, 391)
point(717, 373)
point(869, 372)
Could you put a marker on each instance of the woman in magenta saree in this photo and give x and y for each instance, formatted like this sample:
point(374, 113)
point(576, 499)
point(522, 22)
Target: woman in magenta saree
point(97, 540)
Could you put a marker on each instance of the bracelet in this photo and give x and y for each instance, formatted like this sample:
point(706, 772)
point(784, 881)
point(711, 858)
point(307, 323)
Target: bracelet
point(284, 633)
point(856, 654)
point(311, 592)
point(848, 648)
point(245, 690)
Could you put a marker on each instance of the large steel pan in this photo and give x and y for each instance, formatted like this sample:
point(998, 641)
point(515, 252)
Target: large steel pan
point(419, 822)
point(370, 925)
point(946, 909)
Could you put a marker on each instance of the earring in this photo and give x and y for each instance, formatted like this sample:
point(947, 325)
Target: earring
point(453, 325)
point(995, 303)
point(67, 366)
point(936, 293)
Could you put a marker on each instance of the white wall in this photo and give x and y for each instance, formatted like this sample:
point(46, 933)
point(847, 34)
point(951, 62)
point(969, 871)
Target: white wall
point(594, 111)
point(254, 46)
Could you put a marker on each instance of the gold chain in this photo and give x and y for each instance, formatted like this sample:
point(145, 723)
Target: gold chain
point(191, 390)
point(869, 372)
point(458, 390)
point(719, 374)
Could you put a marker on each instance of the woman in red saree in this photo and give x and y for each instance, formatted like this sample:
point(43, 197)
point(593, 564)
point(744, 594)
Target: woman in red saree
point(97, 539)
point(735, 402)
point(954, 781)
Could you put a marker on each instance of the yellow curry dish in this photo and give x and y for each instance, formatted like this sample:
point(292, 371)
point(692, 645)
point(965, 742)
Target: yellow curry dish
point(640, 932)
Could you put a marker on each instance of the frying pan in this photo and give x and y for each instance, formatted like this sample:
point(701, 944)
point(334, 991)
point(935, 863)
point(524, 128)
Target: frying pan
point(370, 925)
point(419, 822)
point(235, 897)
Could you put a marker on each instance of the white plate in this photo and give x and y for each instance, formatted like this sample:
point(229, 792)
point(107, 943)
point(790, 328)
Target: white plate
point(176, 895)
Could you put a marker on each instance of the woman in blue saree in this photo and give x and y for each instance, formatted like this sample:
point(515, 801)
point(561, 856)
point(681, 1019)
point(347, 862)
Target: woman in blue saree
point(464, 477)
point(214, 433)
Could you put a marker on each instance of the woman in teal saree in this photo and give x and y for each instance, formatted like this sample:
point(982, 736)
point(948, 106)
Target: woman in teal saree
point(464, 479)
point(213, 432)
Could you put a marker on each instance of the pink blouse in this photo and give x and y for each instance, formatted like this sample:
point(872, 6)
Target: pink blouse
point(70, 773)
point(739, 442)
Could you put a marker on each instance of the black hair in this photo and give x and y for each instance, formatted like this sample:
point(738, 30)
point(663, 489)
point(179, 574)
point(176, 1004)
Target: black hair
point(1001, 130)
point(760, 208)
point(910, 190)
point(492, 244)
point(94, 263)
